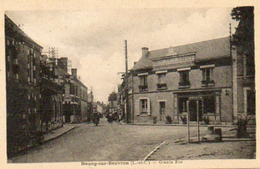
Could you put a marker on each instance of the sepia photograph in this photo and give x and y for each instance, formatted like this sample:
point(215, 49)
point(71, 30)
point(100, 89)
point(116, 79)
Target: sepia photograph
point(130, 86)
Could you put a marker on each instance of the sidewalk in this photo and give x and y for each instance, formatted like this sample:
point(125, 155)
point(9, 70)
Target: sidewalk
point(58, 132)
point(229, 148)
point(235, 149)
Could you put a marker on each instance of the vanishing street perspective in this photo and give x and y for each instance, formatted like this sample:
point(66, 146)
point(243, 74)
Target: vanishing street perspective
point(130, 85)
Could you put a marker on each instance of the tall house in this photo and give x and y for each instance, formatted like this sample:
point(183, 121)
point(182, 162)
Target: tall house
point(75, 99)
point(22, 56)
point(195, 77)
point(244, 73)
point(51, 89)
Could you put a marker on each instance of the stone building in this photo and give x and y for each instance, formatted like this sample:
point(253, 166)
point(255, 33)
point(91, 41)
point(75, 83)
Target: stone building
point(51, 89)
point(75, 99)
point(22, 88)
point(244, 71)
point(193, 77)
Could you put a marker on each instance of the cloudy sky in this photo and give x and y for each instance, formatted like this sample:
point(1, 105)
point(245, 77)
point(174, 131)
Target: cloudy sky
point(94, 39)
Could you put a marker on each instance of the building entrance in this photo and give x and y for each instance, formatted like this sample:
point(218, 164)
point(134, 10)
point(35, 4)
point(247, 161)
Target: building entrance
point(194, 106)
point(162, 110)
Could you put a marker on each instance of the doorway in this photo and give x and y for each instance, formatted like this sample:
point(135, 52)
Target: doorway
point(162, 110)
point(193, 110)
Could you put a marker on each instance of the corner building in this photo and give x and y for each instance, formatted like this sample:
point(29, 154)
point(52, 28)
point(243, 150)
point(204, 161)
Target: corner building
point(194, 77)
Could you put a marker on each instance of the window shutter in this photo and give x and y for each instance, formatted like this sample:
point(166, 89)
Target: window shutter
point(137, 104)
point(148, 107)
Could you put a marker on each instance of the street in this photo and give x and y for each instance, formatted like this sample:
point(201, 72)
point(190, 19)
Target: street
point(105, 142)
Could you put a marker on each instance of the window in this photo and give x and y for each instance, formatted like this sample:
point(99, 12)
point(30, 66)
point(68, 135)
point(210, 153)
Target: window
point(249, 65)
point(161, 81)
point(143, 83)
point(183, 105)
point(184, 78)
point(207, 75)
point(72, 89)
point(143, 80)
point(249, 101)
point(143, 106)
point(161, 78)
point(209, 104)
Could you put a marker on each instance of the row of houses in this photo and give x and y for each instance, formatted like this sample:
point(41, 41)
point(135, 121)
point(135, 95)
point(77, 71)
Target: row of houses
point(41, 94)
point(215, 78)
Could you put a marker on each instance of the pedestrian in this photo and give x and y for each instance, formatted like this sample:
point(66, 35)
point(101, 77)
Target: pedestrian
point(110, 118)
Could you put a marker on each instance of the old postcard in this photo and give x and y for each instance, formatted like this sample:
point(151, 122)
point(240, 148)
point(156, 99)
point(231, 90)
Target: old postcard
point(124, 84)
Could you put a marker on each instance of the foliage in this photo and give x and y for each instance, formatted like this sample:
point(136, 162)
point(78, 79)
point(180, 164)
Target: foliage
point(169, 119)
point(244, 35)
point(206, 120)
point(154, 120)
point(241, 127)
point(112, 97)
point(184, 119)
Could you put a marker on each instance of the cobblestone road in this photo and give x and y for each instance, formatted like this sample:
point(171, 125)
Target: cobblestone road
point(103, 143)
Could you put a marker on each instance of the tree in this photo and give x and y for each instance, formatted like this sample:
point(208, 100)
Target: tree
point(245, 31)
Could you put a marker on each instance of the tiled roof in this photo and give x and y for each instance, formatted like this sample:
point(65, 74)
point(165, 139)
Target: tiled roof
point(205, 50)
point(143, 63)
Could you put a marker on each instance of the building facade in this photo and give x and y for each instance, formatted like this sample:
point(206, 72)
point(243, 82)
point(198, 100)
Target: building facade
point(51, 90)
point(244, 72)
point(22, 88)
point(75, 99)
point(189, 78)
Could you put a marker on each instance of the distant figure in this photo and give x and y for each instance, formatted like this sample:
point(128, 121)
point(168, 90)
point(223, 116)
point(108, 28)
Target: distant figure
point(110, 118)
point(119, 116)
point(115, 116)
point(96, 118)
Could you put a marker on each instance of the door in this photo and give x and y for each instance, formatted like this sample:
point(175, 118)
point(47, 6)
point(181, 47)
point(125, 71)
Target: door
point(193, 110)
point(162, 110)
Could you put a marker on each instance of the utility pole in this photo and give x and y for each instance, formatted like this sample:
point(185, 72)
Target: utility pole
point(126, 84)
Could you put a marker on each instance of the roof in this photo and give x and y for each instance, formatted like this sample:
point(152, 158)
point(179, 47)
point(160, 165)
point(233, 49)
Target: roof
point(143, 63)
point(205, 50)
point(17, 30)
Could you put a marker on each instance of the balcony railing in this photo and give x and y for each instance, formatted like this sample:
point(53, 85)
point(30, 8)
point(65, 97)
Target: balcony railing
point(205, 83)
point(143, 87)
point(184, 84)
point(161, 86)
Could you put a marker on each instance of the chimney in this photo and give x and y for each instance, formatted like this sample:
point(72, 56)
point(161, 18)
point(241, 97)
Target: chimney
point(144, 51)
point(135, 63)
point(63, 63)
point(74, 72)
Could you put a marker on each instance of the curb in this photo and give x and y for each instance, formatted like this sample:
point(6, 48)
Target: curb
point(156, 148)
point(59, 135)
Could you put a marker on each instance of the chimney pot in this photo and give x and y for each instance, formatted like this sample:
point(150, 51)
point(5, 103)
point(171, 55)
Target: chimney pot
point(74, 72)
point(144, 51)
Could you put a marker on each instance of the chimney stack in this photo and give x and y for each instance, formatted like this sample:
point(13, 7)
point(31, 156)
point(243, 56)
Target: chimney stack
point(144, 51)
point(63, 63)
point(74, 72)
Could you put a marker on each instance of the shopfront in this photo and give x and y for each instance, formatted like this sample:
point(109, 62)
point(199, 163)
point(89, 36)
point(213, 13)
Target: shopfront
point(201, 104)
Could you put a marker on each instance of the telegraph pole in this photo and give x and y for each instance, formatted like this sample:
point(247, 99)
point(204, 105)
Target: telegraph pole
point(126, 83)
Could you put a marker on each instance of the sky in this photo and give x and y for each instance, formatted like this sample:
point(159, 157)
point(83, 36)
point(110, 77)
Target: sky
point(94, 39)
